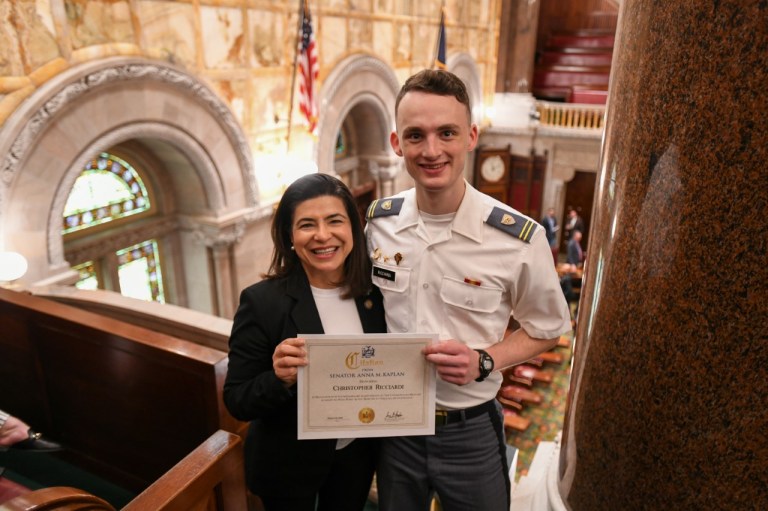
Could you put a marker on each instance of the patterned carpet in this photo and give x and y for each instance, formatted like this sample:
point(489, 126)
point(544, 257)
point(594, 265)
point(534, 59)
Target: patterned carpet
point(546, 418)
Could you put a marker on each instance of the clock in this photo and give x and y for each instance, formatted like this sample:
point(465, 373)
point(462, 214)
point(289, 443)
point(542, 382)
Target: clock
point(492, 171)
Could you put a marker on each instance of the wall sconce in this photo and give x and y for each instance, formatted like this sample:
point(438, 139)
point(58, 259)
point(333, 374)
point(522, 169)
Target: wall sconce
point(13, 266)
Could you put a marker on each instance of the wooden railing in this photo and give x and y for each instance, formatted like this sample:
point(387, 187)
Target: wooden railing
point(210, 478)
point(570, 115)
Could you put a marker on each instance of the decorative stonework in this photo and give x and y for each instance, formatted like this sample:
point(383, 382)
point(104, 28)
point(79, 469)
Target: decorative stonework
point(131, 71)
point(224, 235)
point(154, 230)
point(354, 66)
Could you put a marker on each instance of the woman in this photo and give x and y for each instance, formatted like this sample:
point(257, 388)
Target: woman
point(318, 282)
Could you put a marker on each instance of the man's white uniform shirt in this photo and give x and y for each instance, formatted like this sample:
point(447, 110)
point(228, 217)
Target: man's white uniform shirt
point(465, 282)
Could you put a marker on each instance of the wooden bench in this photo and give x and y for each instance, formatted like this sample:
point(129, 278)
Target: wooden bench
point(581, 39)
point(588, 94)
point(520, 394)
point(531, 373)
point(556, 81)
point(550, 357)
point(510, 404)
point(515, 421)
point(576, 57)
point(126, 402)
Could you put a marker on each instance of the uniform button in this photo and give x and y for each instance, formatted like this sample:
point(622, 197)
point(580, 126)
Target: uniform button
point(468, 301)
point(425, 285)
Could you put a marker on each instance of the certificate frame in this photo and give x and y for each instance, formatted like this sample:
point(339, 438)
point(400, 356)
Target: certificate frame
point(366, 385)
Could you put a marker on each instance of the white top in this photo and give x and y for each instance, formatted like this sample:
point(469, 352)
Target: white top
point(338, 316)
point(464, 282)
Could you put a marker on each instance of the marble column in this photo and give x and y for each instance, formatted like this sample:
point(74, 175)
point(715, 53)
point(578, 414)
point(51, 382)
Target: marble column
point(668, 405)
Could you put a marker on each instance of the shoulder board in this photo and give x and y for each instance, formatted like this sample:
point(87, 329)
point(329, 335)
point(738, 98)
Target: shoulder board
point(384, 207)
point(513, 224)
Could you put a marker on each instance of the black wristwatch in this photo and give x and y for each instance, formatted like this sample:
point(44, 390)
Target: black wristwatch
point(485, 363)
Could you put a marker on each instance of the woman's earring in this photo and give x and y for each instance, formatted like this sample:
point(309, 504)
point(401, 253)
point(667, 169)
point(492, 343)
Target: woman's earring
point(292, 247)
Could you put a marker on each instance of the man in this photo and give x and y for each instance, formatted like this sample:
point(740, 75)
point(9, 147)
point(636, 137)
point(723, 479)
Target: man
point(451, 260)
point(575, 252)
point(574, 223)
point(550, 229)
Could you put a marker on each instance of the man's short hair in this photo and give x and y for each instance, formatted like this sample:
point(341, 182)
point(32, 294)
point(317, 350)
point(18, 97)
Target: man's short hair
point(439, 82)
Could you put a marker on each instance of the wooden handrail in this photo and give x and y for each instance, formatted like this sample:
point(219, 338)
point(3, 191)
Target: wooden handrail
point(212, 473)
point(210, 478)
point(58, 498)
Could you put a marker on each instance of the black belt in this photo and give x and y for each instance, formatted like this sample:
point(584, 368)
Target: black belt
point(443, 417)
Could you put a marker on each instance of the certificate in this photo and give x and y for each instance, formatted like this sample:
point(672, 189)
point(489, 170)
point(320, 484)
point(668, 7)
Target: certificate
point(366, 385)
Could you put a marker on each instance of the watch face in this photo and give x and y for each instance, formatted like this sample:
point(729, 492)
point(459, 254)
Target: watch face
point(492, 169)
point(487, 364)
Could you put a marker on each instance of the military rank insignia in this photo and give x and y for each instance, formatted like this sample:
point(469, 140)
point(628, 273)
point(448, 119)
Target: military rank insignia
point(512, 223)
point(384, 207)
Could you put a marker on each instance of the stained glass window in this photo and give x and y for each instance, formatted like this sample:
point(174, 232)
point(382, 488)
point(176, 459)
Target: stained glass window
point(88, 278)
point(108, 188)
point(341, 146)
point(139, 272)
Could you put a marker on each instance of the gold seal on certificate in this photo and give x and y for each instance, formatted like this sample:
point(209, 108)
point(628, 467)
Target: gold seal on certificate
point(366, 385)
point(366, 415)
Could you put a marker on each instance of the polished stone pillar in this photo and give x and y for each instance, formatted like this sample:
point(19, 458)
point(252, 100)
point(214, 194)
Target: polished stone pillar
point(668, 405)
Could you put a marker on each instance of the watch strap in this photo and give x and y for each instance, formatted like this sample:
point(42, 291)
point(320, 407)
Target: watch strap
point(484, 372)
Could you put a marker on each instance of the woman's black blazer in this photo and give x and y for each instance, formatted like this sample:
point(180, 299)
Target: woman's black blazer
point(269, 312)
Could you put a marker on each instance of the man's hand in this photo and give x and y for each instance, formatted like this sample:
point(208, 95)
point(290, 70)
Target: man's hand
point(455, 361)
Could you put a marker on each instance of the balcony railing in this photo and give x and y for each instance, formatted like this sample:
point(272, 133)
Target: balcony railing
point(570, 115)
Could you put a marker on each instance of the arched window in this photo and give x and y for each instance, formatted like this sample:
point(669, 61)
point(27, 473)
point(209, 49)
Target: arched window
point(341, 145)
point(139, 272)
point(101, 213)
point(107, 189)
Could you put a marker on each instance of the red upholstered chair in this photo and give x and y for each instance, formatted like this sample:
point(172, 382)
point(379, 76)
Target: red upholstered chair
point(10, 489)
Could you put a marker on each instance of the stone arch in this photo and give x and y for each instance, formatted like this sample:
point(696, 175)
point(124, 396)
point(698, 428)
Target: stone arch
point(463, 66)
point(366, 87)
point(99, 104)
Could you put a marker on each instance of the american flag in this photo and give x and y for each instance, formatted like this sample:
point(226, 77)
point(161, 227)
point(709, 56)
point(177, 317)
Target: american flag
point(308, 69)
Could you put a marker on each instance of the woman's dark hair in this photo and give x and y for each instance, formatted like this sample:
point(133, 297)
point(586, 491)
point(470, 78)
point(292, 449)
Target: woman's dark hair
point(357, 266)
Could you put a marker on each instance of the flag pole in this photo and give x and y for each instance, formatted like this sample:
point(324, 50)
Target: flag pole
point(293, 77)
point(439, 34)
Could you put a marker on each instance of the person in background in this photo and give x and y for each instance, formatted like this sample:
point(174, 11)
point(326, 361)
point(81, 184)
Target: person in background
point(318, 282)
point(549, 222)
point(574, 223)
point(575, 252)
point(453, 261)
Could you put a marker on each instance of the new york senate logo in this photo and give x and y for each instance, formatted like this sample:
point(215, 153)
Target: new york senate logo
point(366, 415)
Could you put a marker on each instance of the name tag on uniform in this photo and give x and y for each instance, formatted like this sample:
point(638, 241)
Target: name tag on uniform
point(384, 274)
